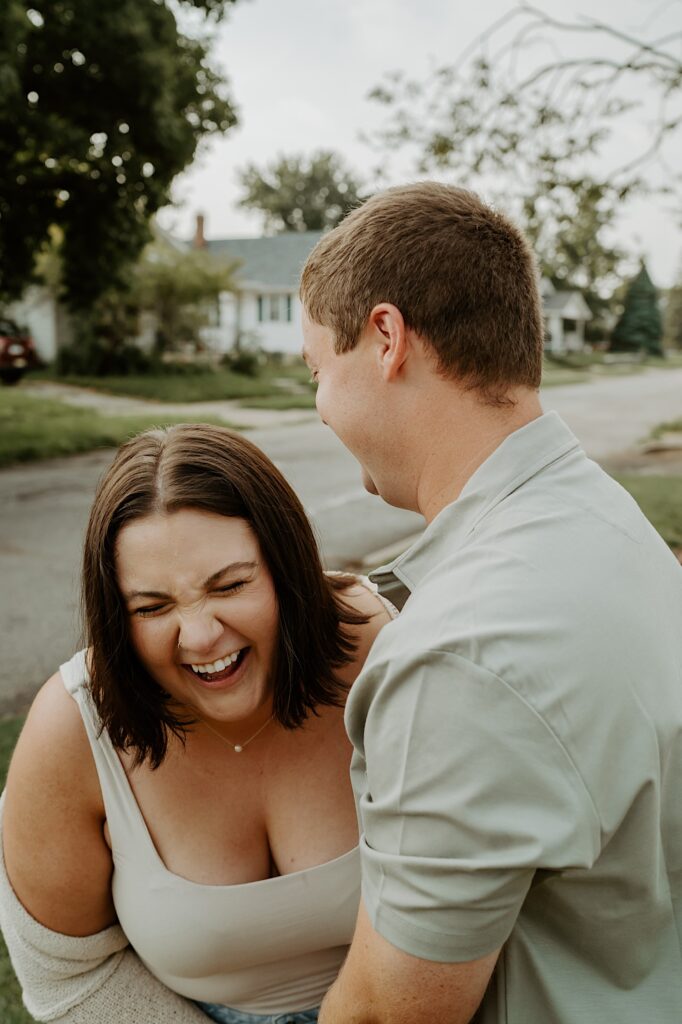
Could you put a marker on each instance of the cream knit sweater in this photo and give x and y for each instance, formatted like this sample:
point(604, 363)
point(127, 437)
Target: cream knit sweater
point(93, 980)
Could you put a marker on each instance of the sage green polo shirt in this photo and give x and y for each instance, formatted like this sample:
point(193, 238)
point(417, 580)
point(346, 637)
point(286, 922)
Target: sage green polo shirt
point(518, 743)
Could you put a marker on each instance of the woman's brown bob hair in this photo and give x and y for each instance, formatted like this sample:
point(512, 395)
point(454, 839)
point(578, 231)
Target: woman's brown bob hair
point(213, 469)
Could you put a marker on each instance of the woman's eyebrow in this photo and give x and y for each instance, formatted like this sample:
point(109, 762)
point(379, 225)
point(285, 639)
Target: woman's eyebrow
point(233, 567)
point(130, 594)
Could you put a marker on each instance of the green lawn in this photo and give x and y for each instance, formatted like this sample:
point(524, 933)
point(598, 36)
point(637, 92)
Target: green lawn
point(202, 385)
point(35, 428)
point(293, 401)
point(554, 376)
point(660, 498)
point(578, 367)
point(672, 427)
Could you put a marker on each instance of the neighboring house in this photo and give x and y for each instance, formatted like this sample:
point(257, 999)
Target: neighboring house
point(566, 314)
point(264, 309)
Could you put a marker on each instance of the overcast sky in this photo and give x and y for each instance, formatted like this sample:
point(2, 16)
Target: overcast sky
point(300, 71)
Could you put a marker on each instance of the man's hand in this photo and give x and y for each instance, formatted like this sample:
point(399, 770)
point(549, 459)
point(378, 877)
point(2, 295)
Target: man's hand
point(379, 984)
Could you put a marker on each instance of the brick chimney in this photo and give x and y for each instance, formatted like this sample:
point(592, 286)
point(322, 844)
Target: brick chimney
point(199, 239)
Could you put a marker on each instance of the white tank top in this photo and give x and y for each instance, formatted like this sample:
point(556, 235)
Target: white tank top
point(271, 946)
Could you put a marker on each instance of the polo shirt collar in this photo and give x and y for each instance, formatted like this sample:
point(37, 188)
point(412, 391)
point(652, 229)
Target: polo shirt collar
point(516, 460)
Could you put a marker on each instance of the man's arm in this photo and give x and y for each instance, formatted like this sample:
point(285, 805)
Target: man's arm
point(379, 984)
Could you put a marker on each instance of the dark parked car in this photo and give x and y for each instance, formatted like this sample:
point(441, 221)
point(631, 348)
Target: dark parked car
point(17, 352)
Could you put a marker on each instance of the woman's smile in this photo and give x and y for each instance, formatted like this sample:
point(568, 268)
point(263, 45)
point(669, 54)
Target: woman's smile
point(224, 671)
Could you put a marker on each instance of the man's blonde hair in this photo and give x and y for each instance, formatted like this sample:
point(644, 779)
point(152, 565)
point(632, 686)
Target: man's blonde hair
point(462, 275)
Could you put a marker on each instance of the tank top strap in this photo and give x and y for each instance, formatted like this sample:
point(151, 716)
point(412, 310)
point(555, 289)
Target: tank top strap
point(370, 585)
point(124, 818)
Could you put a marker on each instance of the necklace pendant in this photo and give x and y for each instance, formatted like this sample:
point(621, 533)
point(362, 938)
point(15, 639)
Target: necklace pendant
point(238, 749)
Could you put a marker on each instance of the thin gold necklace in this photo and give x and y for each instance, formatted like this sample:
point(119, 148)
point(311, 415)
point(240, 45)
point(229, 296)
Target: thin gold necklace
point(237, 747)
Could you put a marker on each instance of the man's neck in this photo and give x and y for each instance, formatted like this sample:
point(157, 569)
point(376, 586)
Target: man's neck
point(470, 434)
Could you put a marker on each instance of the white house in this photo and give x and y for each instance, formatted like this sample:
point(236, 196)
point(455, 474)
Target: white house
point(46, 320)
point(566, 314)
point(264, 309)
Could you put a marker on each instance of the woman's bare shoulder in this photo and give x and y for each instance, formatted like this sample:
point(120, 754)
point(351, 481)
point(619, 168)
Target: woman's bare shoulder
point(53, 818)
point(53, 735)
point(52, 768)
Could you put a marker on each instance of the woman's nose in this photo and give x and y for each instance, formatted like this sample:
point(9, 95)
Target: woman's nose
point(199, 633)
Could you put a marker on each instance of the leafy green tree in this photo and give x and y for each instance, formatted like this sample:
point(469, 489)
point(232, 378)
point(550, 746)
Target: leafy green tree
point(640, 327)
point(179, 287)
point(299, 193)
point(101, 105)
point(528, 128)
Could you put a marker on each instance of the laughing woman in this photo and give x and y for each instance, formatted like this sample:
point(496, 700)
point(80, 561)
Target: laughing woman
point(180, 839)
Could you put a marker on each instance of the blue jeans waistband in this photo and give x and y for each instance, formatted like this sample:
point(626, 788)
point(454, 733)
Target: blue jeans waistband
point(226, 1015)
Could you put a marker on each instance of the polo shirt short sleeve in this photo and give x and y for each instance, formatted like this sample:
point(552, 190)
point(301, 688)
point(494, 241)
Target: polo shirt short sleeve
point(467, 793)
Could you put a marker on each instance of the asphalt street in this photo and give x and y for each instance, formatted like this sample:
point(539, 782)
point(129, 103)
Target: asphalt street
point(44, 509)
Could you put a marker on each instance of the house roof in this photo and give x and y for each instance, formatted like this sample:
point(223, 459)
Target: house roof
point(571, 305)
point(270, 262)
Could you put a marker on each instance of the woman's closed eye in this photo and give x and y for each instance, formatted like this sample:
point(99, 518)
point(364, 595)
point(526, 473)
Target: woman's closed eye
point(152, 609)
point(230, 588)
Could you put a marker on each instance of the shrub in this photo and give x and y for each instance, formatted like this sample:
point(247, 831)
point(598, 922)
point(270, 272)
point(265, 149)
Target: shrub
point(98, 357)
point(245, 362)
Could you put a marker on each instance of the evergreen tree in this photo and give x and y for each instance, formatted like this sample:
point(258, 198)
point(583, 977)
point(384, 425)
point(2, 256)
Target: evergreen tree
point(640, 327)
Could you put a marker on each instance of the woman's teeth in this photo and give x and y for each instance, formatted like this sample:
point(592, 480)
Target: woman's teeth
point(217, 666)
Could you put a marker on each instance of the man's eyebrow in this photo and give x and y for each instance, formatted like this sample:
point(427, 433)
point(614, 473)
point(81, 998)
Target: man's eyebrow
point(233, 567)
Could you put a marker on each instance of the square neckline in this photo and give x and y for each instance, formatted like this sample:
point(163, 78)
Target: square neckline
point(112, 756)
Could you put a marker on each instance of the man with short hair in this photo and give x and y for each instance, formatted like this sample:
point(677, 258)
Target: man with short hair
point(518, 730)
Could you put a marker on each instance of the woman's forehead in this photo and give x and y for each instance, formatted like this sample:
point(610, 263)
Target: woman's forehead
point(189, 541)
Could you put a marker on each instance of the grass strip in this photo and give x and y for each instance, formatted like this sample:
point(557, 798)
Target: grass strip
point(193, 385)
point(660, 499)
point(671, 427)
point(36, 428)
point(553, 377)
point(298, 401)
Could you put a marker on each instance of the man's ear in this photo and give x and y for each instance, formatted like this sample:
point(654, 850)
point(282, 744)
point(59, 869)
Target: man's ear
point(388, 333)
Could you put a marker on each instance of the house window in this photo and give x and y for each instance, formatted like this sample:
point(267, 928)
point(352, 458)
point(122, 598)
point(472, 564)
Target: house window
point(275, 308)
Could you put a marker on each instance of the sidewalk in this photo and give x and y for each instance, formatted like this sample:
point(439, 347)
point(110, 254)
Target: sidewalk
point(233, 412)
